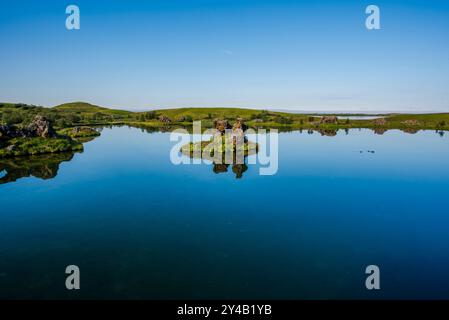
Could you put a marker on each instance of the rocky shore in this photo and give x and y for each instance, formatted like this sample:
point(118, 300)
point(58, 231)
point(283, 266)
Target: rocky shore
point(38, 137)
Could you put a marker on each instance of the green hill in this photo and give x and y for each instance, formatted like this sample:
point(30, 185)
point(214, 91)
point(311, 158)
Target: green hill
point(84, 107)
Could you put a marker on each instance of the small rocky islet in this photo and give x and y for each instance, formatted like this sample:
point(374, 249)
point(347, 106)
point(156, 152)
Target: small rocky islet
point(226, 138)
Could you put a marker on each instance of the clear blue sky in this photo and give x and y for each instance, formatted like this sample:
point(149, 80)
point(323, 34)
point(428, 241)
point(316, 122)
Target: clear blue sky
point(306, 55)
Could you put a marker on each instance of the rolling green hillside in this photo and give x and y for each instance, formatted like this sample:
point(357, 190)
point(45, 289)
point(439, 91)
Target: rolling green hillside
point(87, 108)
point(81, 113)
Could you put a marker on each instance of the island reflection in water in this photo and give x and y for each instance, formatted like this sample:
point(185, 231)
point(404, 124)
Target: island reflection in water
point(40, 166)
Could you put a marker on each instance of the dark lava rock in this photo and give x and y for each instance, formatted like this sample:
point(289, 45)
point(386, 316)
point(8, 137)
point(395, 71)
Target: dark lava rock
point(220, 168)
point(7, 132)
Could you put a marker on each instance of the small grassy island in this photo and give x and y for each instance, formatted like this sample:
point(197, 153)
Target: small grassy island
point(226, 140)
point(39, 137)
point(28, 129)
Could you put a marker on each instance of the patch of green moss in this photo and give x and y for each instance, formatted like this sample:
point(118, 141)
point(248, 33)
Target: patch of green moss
point(33, 146)
point(79, 132)
point(207, 149)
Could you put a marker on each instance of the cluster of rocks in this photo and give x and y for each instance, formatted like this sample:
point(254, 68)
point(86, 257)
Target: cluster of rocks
point(237, 130)
point(221, 125)
point(380, 122)
point(411, 123)
point(39, 127)
point(329, 120)
point(80, 132)
point(164, 119)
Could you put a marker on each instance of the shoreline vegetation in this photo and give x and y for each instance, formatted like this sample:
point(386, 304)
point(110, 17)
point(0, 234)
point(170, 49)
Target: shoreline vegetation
point(23, 127)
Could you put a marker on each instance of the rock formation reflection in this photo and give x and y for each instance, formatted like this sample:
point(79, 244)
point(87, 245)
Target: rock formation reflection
point(237, 169)
point(43, 166)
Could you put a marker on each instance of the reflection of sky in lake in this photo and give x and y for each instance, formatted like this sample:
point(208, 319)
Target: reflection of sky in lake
point(359, 117)
point(139, 226)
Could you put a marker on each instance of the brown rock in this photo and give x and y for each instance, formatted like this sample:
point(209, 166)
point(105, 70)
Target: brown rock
point(380, 122)
point(329, 119)
point(411, 122)
point(40, 127)
point(164, 119)
point(221, 125)
point(239, 124)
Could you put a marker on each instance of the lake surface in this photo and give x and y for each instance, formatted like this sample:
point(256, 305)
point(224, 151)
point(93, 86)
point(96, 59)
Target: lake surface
point(140, 227)
point(360, 117)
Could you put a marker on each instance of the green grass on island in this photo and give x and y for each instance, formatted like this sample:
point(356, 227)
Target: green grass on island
point(207, 149)
point(79, 132)
point(33, 146)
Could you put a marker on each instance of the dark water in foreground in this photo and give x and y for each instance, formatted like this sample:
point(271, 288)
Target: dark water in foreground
point(140, 227)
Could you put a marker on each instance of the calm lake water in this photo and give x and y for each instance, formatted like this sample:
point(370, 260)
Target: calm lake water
point(140, 227)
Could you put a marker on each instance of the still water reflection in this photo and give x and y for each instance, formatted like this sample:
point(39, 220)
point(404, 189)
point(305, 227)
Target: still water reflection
point(140, 227)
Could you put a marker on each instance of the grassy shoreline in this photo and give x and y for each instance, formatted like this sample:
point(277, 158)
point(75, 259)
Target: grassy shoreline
point(71, 122)
point(83, 114)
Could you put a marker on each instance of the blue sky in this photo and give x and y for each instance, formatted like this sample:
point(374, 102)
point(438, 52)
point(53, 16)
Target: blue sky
point(278, 54)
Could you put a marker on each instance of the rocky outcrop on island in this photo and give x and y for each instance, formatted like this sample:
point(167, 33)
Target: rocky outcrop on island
point(329, 120)
point(380, 122)
point(84, 131)
point(221, 125)
point(80, 132)
point(41, 127)
point(238, 132)
point(38, 137)
point(411, 123)
point(165, 119)
point(38, 127)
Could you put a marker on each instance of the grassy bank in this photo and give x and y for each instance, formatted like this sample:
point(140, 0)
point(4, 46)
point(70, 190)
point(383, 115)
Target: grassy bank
point(84, 114)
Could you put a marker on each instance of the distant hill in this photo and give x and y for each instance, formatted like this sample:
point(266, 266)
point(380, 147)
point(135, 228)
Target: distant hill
point(85, 107)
